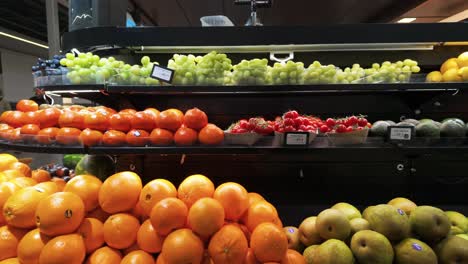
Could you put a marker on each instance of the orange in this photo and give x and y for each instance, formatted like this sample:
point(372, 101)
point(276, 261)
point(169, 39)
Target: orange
point(137, 137)
point(69, 249)
point(99, 214)
point(4, 127)
point(11, 174)
point(206, 217)
point(16, 119)
point(91, 229)
point(148, 239)
point(258, 213)
point(137, 211)
point(59, 182)
point(293, 257)
point(10, 261)
point(195, 119)
point(153, 112)
point(269, 243)
point(23, 182)
point(161, 137)
point(128, 111)
point(40, 175)
point(68, 136)
point(120, 192)
point(49, 117)
point(160, 260)
point(20, 208)
point(185, 136)
point(105, 255)
point(120, 230)
point(131, 248)
point(87, 188)
point(29, 129)
point(6, 160)
point(6, 190)
point(60, 213)
point(142, 120)
point(153, 192)
point(250, 257)
point(47, 135)
point(138, 257)
point(27, 105)
point(71, 119)
point(195, 187)
point(170, 119)
point(48, 187)
point(168, 215)
point(89, 137)
point(120, 122)
point(22, 167)
point(255, 197)
point(234, 198)
point(9, 239)
point(30, 246)
point(182, 246)
point(228, 246)
point(211, 135)
point(114, 138)
point(96, 121)
point(31, 118)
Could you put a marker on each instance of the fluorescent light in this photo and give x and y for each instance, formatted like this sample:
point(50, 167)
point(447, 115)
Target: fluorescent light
point(24, 40)
point(406, 20)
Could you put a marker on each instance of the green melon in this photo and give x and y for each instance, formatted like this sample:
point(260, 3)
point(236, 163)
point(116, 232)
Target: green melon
point(100, 166)
point(428, 130)
point(452, 128)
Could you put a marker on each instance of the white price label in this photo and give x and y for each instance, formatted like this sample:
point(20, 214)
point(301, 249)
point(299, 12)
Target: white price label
point(296, 139)
point(162, 73)
point(400, 133)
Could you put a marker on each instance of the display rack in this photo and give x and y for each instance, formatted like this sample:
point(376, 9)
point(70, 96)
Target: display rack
point(310, 177)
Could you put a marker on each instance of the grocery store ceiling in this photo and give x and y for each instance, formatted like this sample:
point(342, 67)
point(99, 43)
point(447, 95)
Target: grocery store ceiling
point(28, 17)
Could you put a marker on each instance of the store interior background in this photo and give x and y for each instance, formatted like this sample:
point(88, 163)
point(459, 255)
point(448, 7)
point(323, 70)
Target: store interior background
point(23, 25)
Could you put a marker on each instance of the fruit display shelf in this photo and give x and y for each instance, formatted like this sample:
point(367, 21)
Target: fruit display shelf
point(320, 147)
point(417, 87)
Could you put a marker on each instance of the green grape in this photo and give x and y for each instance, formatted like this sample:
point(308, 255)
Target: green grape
point(63, 62)
point(415, 69)
point(185, 69)
point(287, 73)
point(145, 60)
point(70, 56)
point(211, 68)
point(250, 72)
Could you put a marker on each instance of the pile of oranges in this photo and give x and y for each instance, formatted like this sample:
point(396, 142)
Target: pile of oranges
point(48, 221)
point(101, 125)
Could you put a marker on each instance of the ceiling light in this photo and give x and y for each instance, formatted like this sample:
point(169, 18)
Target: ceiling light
point(24, 40)
point(406, 20)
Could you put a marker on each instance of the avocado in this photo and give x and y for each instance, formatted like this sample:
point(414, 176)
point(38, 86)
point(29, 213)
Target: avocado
point(427, 129)
point(404, 123)
point(379, 128)
point(458, 120)
point(412, 121)
point(452, 128)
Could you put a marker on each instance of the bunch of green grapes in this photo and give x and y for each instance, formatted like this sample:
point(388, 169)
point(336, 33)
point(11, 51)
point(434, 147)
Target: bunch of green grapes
point(212, 68)
point(136, 74)
point(287, 73)
point(318, 73)
point(87, 68)
point(388, 72)
point(185, 69)
point(250, 72)
point(355, 74)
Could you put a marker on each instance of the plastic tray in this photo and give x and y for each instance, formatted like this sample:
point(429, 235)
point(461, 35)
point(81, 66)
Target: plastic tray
point(349, 138)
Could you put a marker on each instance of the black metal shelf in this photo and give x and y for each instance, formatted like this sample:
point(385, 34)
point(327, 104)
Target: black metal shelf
point(320, 148)
point(261, 90)
point(267, 35)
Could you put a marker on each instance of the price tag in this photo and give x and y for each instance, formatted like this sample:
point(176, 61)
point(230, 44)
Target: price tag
point(296, 139)
point(162, 73)
point(400, 133)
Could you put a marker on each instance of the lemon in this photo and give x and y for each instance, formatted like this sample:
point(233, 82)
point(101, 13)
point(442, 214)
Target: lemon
point(451, 75)
point(463, 72)
point(449, 64)
point(434, 76)
point(462, 60)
